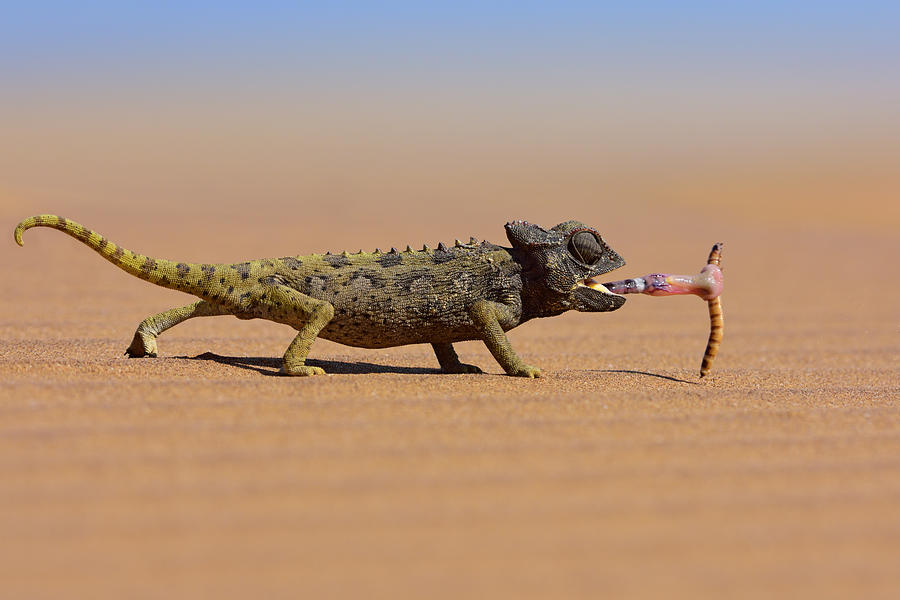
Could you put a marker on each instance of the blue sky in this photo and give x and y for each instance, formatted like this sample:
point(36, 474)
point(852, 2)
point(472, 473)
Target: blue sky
point(95, 39)
point(729, 71)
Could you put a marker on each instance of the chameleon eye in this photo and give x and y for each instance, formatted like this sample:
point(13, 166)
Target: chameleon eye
point(585, 248)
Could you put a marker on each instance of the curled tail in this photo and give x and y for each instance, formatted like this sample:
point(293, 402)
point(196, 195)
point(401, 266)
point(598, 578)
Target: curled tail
point(197, 279)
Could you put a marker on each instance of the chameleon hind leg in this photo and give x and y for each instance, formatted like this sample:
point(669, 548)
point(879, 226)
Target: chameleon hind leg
point(307, 315)
point(144, 342)
point(449, 360)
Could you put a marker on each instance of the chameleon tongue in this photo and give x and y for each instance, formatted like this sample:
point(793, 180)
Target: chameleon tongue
point(707, 284)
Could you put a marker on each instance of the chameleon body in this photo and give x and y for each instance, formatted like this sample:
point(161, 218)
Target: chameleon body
point(469, 291)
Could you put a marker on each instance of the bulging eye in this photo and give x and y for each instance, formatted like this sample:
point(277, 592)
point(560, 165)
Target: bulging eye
point(585, 248)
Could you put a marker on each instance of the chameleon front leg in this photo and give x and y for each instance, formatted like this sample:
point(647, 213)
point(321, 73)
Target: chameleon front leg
point(487, 317)
point(449, 360)
point(309, 316)
point(144, 342)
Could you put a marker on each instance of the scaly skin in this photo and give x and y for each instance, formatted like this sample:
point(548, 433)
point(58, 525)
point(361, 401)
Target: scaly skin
point(381, 299)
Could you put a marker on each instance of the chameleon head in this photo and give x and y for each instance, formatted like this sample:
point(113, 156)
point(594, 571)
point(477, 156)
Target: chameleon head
point(563, 262)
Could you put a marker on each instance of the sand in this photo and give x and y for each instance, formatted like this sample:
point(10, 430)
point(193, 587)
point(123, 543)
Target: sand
point(204, 474)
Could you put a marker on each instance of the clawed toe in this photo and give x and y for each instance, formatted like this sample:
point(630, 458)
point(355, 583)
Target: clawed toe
point(142, 346)
point(527, 371)
point(462, 369)
point(301, 371)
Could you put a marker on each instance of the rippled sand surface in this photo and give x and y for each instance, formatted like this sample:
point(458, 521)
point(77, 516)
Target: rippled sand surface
point(204, 474)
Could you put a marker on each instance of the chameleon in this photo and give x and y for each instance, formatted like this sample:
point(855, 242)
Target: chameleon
point(468, 291)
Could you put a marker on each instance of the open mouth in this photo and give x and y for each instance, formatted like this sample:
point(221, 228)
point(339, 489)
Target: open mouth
point(595, 284)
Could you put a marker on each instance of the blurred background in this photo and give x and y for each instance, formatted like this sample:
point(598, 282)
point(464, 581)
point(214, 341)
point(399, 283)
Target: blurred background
point(473, 112)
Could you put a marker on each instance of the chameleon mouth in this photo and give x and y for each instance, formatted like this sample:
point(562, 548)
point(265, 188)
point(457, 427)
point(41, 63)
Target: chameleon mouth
point(594, 284)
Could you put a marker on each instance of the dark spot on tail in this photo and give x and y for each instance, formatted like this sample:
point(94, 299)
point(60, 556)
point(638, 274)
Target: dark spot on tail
point(183, 269)
point(119, 252)
point(149, 265)
point(242, 268)
point(208, 271)
point(270, 280)
point(103, 243)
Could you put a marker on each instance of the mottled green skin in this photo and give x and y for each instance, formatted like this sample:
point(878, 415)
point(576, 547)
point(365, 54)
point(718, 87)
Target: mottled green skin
point(470, 291)
point(383, 300)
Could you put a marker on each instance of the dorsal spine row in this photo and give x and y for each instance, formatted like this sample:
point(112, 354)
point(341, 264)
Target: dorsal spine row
point(441, 247)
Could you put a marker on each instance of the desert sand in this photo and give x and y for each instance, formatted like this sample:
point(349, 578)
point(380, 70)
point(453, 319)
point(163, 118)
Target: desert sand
point(204, 474)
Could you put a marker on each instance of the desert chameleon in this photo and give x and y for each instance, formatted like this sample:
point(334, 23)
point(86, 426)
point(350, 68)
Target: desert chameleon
point(469, 291)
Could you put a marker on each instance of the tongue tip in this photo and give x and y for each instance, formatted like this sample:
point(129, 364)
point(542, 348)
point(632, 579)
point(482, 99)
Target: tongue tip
point(714, 281)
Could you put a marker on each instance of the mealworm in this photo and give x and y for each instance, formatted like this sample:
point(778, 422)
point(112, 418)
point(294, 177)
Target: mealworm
point(716, 318)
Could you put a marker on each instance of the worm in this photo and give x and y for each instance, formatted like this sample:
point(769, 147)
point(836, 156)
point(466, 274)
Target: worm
point(716, 318)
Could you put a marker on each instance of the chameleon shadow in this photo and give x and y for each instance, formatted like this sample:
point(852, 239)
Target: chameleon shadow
point(272, 366)
point(648, 375)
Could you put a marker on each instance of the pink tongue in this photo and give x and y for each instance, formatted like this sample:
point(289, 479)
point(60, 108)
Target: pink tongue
point(708, 284)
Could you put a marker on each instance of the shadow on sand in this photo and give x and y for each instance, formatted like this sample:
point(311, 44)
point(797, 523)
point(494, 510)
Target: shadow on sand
point(648, 375)
point(271, 366)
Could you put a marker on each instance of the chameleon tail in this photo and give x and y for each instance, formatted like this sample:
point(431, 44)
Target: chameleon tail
point(185, 277)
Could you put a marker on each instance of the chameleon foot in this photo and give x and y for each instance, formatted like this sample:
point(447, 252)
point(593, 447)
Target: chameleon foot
point(144, 342)
point(461, 369)
point(449, 360)
point(301, 371)
point(142, 345)
point(526, 371)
